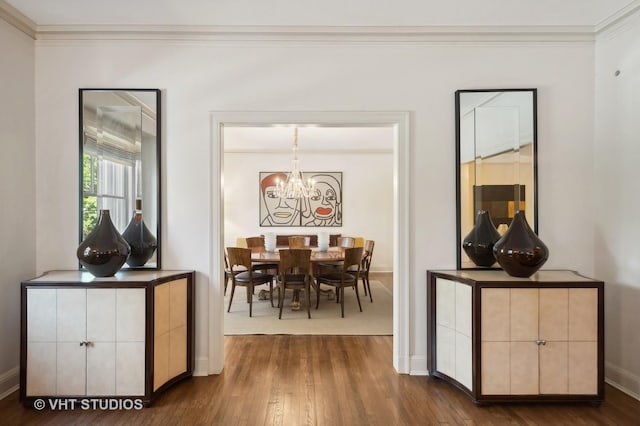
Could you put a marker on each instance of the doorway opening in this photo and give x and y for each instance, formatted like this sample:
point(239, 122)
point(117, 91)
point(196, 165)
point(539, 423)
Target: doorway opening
point(399, 125)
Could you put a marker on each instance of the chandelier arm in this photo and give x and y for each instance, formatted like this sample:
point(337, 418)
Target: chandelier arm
point(295, 186)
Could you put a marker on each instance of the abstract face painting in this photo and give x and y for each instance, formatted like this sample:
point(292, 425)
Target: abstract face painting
point(322, 208)
point(276, 211)
point(325, 204)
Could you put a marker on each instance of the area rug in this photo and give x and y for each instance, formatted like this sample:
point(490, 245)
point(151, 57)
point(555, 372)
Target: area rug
point(375, 319)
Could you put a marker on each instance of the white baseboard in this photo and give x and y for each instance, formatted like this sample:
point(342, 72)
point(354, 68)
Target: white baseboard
point(201, 367)
point(9, 382)
point(622, 380)
point(419, 366)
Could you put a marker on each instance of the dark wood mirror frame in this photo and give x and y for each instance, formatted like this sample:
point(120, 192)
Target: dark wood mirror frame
point(135, 119)
point(516, 112)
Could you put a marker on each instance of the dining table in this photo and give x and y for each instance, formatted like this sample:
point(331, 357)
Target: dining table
point(332, 254)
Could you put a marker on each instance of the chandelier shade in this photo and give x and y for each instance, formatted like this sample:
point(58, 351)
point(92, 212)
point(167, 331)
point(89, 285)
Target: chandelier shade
point(295, 185)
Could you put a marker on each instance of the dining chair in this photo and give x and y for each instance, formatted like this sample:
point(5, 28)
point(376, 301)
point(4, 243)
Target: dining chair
point(243, 275)
point(346, 276)
point(344, 243)
point(365, 266)
point(228, 272)
point(299, 242)
point(256, 245)
point(294, 273)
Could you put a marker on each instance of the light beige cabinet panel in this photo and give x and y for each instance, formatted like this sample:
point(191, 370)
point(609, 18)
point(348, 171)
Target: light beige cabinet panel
point(532, 339)
point(130, 364)
point(554, 363)
point(523, 314)
point(583, 315)
point(583, 378)
point(554, 314)
point(41, 378)
point(495, 315)
point(496, 378)
point(523, 368)
point(71, 369)
point(101, 370)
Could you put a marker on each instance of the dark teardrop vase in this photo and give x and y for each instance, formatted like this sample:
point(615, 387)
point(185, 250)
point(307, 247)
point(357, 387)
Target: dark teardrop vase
point(520, 252)
point(478, 244)
point(104, 251)
point(143, 243)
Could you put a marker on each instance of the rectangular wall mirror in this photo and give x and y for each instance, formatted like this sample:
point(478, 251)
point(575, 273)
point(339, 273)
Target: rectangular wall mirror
point(495, 160)
point(120, 164)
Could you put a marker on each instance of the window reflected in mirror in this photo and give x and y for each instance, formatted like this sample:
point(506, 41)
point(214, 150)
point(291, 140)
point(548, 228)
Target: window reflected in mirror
point(120, 157)
point(496, 159)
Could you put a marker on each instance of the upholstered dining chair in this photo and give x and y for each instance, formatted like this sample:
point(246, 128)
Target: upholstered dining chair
point(294, 273)
point(345, 276)
point(243, 275)
point(299, 242)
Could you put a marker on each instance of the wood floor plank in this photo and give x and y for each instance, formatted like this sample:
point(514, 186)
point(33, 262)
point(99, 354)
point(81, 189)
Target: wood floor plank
point(324, 380)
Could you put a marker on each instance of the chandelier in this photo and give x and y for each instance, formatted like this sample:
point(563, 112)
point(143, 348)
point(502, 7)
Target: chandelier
point(295, 186)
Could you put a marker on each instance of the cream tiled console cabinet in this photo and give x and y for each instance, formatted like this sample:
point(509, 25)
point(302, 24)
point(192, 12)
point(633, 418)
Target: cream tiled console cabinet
point(501, 338)
point(127, 336)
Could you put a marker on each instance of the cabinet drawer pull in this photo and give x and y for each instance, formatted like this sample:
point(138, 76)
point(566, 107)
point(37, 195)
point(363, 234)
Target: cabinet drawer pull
point(541, 342)
point(83, 343)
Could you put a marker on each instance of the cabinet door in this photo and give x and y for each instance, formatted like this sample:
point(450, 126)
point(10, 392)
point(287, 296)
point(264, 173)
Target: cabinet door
point(554, 331)
point(101, 335)
point(569, 327)
point(523, 321)
point(71, 326)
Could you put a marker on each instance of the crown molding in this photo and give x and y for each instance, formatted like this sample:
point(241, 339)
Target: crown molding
point(257, 33)
point(617, 17)
point(14, 17)
point(319, 33)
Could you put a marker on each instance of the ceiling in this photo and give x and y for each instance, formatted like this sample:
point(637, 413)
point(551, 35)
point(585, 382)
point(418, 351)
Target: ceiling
point(396, 13)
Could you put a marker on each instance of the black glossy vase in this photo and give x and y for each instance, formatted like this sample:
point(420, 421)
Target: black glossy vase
point(478, 244)
point(143, 243)
point(104, 251)
point(520, 252)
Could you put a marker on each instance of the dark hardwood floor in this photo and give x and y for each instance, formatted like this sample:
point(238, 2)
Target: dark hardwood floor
point(323, 380)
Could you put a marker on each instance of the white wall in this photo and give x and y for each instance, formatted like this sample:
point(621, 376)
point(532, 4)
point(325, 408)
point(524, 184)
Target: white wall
point(617, 207)
point(367, 197)
point(204, 76)
point(17, 191)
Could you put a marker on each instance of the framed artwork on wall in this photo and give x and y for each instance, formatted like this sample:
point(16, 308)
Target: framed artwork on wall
point(323, 208)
